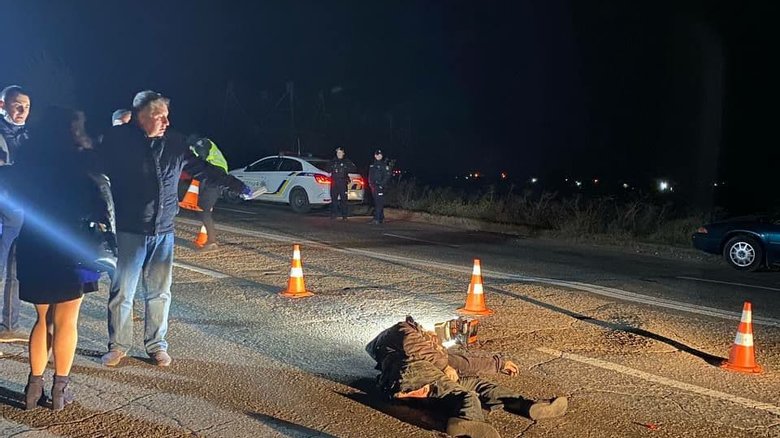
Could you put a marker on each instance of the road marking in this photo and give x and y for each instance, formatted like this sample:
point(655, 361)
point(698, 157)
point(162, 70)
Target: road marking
point(236, 210)
point(427, 264)
point(598, 363)
point(420, 240)
point(200, 270)
point(752, 286)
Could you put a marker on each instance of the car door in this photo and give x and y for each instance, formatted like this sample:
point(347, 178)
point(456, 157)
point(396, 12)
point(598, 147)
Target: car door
point(259, 173)
point(288, 170)
point(773, 240)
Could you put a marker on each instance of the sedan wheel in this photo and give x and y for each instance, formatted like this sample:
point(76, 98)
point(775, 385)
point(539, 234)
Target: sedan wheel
point(744, 253)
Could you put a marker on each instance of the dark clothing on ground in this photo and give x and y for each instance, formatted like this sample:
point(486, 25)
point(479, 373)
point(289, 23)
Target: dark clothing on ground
point(378, 176)
point(207, 198)
point(145, 174)
point(62, 191)
point(339, 174)
point(410, 358)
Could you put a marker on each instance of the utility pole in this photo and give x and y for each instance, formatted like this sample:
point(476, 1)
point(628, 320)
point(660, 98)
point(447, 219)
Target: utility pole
point(291, 98)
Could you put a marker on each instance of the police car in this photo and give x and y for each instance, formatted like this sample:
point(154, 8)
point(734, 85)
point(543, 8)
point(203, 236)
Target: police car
point(301, 182)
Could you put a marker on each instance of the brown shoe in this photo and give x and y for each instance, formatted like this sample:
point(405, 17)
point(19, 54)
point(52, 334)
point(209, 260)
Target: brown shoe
point(548, 408)
point(162, 358)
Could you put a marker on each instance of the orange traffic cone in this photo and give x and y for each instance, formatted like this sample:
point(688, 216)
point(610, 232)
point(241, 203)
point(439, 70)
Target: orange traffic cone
point(742, 358)
point(475, 300)
point(296, 287)
point(202, 238)
point(190, 201)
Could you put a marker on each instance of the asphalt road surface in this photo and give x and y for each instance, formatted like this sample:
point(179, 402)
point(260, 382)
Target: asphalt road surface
point(633, 340)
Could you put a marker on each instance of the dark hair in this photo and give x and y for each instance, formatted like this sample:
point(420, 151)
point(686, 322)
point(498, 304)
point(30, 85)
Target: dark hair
point(59, 129)
point(12, 91)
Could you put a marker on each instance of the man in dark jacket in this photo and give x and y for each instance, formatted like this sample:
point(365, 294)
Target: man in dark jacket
point(340, 168)
point(144, 165)
point(14, 107)
point(414, 364)
point(378, 176)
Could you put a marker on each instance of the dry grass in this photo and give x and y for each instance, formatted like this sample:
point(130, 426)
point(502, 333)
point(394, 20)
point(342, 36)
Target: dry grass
point(626, 220)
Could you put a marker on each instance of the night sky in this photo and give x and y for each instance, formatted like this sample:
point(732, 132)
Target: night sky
point(610, 89)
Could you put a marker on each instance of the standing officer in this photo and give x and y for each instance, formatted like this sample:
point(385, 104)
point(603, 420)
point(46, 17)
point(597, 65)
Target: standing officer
point(378, 176)
point(14, 109)
point(340, 169)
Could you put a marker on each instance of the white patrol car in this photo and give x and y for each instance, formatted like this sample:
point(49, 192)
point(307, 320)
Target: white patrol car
point(298, 181)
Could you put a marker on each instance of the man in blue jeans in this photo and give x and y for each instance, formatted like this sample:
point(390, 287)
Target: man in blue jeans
point(14, 108)
point(144, 165)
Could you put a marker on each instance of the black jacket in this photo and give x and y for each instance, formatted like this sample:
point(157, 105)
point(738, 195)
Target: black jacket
point(378, 174)
point(62, 193)
point(145, 174)
point(13, 138)
point(341, 168)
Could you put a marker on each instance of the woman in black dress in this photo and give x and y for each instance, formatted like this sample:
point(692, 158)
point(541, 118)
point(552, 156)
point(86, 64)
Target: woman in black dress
point(67, 202)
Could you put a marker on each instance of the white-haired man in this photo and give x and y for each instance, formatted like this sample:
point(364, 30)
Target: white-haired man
point(144, 163)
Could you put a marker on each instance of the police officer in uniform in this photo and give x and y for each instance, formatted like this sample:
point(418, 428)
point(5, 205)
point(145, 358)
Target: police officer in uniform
point(378, 176)
point(205, 149)
point(340, 168)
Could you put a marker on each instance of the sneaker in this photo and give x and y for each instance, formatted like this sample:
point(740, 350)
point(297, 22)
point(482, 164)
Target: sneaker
point(162, 358)
point(211, 246)
point(375, 222)
point(548, 408)
point(112, 358)
point(7, 335)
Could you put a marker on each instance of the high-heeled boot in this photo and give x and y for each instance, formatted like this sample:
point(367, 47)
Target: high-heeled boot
point(61, 395)
point(33, 392)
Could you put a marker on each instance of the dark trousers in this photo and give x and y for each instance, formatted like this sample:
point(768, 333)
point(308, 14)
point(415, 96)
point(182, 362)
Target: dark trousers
point(338, 198)
point(466, 397)
point(379, 203)
point(207, 198)
point(11, 220)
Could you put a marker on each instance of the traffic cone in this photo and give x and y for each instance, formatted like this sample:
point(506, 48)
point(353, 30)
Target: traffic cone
point(742, 358)
point(296, 287)
point(190, 201)
point(475, 300)
point(202, 238)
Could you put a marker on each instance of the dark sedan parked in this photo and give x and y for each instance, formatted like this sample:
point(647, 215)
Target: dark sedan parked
point(747, 244)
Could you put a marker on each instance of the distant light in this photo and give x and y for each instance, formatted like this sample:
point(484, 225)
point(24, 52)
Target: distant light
point(534, 180)
point(503, 175)
point(715, 185)
point(595, 181)
point(566, 180)
point(664, 186)
point(625, 186)
point(578, 183)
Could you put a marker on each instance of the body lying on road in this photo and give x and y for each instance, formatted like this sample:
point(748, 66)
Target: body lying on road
point(414, 364)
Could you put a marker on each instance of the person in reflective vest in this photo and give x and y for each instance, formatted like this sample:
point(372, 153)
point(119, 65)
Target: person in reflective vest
point(208, 194)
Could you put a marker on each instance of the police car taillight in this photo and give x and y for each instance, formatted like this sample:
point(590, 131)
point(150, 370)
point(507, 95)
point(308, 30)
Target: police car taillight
point(322, 179)
point(358, 180)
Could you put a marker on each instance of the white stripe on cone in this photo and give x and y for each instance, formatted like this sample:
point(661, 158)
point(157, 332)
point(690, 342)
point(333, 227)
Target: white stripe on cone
point(477, 269)
point(477, 289)
point(744, 340)
point(296, 255)
point(747, 316)
point(296, 272)
point(193, 189)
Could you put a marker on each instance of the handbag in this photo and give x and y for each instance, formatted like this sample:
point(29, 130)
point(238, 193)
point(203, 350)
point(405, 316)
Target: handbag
point(101, 254)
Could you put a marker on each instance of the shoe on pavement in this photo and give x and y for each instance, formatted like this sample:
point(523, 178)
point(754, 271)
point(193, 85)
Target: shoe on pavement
point(548, 408)
point(375, 222)
point(112, 358)
point(7, 335)
point(162, 358)
point(211, 246)
point(458, 427)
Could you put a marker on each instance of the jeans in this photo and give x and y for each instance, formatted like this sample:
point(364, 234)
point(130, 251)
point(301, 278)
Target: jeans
point(379, 203)
point(11, 222)
point(466, 398)
point(149, 259)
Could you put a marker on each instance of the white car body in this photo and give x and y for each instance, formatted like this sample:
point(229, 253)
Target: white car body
point(288, 178)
